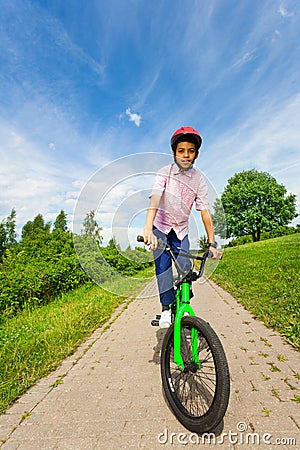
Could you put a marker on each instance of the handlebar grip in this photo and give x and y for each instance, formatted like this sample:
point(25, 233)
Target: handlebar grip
point(140, 238)
point(210, 254)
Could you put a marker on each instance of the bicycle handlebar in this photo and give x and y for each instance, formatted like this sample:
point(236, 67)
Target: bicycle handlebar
point(163, 246)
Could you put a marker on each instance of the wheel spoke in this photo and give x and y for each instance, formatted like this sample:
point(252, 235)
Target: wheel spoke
point(194, 394)
point(195, 391)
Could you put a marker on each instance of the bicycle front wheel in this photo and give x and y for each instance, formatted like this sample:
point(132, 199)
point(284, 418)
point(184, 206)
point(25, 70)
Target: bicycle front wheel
point(197, 396)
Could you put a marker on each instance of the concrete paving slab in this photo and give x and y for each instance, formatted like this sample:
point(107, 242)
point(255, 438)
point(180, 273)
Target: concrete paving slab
point(110, 395)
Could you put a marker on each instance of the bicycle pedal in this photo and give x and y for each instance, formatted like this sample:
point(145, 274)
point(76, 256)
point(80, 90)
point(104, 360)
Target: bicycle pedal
point(155, 323)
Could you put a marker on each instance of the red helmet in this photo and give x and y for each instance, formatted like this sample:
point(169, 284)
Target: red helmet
point(188, 133)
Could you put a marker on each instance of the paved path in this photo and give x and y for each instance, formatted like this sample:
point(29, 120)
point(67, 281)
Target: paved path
point(108, 394)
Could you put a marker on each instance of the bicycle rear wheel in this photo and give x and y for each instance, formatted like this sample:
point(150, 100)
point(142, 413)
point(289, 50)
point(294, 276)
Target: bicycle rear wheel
point(198, 397)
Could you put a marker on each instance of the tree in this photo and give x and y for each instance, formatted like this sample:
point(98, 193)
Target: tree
point(31, 229)
point(203, 243)
point(8, 235)
point(112, 244)
point(91, 227)
point(253, 202)
point(3, 239)
point(10, 226)
point(219, 219)
point(60, 222)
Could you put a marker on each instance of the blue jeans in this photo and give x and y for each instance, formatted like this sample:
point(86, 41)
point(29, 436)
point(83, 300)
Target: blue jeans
point(163, 264)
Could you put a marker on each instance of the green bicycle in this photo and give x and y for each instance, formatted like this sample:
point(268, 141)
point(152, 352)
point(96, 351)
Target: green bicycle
point(194, 368)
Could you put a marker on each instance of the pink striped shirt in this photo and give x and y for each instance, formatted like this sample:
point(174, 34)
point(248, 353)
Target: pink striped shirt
point(178, 190)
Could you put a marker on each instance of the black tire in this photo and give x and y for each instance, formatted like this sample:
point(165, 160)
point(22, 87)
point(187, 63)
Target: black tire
point(197, 397)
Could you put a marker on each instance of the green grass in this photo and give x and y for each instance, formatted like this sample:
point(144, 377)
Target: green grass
point(264, 277)
point(36, 341)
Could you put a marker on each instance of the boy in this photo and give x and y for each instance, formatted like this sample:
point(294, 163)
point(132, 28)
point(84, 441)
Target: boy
point(176, 187)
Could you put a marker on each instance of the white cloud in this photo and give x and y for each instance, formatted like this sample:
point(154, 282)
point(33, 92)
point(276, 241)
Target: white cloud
point(284, 12)
point(276, 36)
point(268, 140)
point(134, 117)
point(245, 58)
point(52, 146)
point(34, 180)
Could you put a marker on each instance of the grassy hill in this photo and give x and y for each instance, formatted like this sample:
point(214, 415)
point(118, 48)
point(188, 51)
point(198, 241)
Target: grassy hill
point(265, 278)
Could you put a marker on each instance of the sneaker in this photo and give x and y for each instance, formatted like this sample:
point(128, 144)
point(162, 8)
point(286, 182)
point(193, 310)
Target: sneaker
point(165, 319)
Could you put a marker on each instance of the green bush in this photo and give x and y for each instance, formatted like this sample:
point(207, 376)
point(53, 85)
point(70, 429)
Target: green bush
point(45, 264)
point(241, 240)
point(128, 262)
point(33, 274)
point(276, 232)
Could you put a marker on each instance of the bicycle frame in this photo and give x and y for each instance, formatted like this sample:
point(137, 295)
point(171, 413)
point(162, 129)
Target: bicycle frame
point(182, 300)
point(183, 306)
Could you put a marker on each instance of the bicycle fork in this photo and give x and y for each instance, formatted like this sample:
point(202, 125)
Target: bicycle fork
point(183, 306)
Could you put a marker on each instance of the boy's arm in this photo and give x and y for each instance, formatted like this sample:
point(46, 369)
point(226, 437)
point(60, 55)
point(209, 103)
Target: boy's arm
point(209, 228)
point(149, 237)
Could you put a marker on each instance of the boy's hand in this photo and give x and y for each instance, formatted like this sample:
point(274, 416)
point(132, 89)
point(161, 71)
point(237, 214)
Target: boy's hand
point(150, 239)
point(216, 254)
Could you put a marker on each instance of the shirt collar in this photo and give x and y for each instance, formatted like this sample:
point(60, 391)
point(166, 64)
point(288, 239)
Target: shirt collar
point(176, 171)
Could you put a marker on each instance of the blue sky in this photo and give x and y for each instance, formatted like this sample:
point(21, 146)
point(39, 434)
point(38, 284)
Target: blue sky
point(84, 83)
